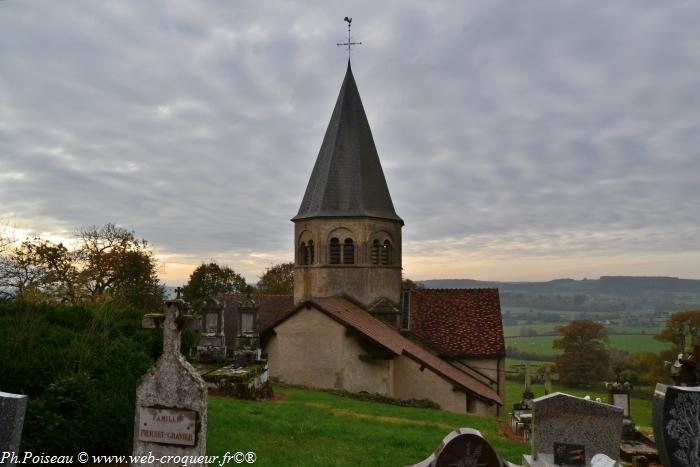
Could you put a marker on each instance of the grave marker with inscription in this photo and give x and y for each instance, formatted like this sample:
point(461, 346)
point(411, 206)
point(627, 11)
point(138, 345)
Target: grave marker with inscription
point(171, 400)
point(572, 430)
point(464, 447)
point(676, 419)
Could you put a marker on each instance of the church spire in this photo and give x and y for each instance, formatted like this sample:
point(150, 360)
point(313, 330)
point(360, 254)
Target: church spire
point(347, 179)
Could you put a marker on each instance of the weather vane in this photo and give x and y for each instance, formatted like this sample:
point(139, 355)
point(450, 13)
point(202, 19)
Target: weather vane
point(349, 43)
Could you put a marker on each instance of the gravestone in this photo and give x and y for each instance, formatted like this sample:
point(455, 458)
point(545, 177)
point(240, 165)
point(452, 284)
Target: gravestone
point(574, 429)
point(676, 420)
point(619, 396)
point(171, 399)
point(464, 447)
point(211, 346)
point(248, 339)
point(12, 408)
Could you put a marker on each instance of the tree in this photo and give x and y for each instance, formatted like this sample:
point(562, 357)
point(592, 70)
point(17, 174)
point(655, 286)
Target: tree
point(208, 280)
point(107, 264)
point(646, 368)
point(675, 323)
point(136, 282)
point(58, 275)
point(673, 332)
point(586, 358)
point(112, 257)
point(277, 280)
point(409, 284)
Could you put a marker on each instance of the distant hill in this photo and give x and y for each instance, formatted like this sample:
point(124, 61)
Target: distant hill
point(617, 285)
point(606, 293)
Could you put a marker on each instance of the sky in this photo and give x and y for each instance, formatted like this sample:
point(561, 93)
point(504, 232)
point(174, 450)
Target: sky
point(520, 140)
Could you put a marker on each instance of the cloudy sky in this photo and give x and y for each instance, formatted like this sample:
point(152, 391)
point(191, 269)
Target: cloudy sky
point(520, 140)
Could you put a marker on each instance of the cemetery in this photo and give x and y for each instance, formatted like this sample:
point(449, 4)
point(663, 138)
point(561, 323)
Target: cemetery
point(341, 359)
point(172, 414)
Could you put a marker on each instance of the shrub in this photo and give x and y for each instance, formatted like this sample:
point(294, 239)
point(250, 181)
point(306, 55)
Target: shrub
point(80, 366)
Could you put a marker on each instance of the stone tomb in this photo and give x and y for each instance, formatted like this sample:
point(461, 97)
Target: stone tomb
point(464, 447)
point(676, 419)
point(572, 430)
point(171, 399)
point(12, 408)
point(211, 346)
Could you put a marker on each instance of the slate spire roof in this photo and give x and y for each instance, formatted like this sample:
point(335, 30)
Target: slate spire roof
point(347, 179)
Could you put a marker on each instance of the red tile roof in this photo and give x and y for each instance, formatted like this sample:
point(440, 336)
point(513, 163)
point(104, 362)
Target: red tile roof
point(271, 308)
point(458, 322)
point(350, 314)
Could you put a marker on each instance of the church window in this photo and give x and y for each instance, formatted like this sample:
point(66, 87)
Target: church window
point(310, 252)
point(334, 251)
point(302, 253)
point(348, 251)
point(386, 252)
point(375, 252)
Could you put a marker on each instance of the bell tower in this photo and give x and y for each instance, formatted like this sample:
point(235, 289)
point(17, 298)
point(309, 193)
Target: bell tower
point(347, 235)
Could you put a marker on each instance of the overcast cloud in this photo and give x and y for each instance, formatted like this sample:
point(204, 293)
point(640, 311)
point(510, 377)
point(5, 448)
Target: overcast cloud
point(520, 140)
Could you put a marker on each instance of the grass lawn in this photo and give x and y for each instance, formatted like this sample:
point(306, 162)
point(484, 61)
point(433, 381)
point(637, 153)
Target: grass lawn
point(313, 428)
point(631, 343)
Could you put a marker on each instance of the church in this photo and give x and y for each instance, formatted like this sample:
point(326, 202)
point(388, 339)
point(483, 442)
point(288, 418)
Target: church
point(351, 326)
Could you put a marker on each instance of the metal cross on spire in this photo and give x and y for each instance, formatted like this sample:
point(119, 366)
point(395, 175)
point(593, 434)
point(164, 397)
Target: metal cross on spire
point(349, 43)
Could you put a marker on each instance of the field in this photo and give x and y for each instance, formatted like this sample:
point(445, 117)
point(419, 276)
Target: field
point(629, 342)
point(522, 321)
point(313, 428)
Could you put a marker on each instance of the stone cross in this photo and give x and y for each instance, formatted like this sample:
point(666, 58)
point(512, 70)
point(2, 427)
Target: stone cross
point(171, 399)
point(528, 380)
point(176, 318)
point(12, 408)
point(547, 379)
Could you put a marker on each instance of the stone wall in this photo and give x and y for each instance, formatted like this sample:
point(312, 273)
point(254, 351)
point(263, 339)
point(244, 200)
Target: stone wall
point(492, 369)
point(362, 280)
point(312, 349)
point(410, 382)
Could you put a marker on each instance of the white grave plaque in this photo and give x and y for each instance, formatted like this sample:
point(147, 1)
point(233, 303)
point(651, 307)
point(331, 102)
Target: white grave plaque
point(167, 426)
point(622, 401)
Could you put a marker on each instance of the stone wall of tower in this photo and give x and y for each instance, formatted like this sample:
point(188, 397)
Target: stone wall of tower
point(363, 280)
